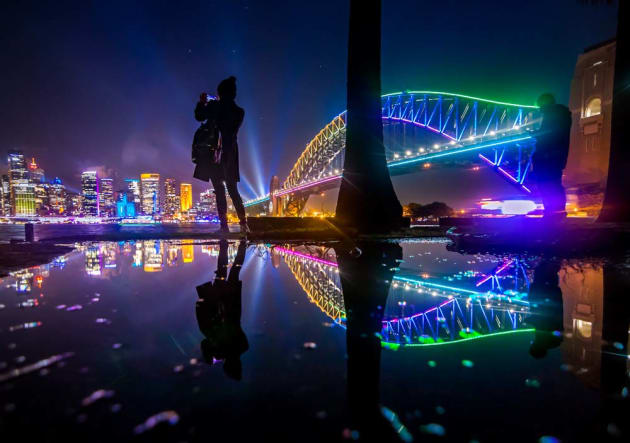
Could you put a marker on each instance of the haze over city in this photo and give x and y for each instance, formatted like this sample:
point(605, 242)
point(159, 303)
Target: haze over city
point(119, 99)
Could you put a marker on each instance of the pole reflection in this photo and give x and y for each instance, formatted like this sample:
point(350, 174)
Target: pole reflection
point(366, 273)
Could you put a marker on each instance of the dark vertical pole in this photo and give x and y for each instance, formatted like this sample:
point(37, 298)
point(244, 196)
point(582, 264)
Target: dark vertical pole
point(367, 199)
point(616, 203)
point(29, 232)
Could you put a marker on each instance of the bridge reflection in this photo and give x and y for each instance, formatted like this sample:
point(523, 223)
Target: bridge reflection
point(421, 310)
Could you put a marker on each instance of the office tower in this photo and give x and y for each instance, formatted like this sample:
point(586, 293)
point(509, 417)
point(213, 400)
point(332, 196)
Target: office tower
point(22, 192)
point(36, 178)
point(5, 200)
point(74, 203)
point(133, 193)
point(124, 207)
point(42, 203)
point(35, 173)
point(150, 193)
point(207, 203)
point(90, 194)
point(17, 166)
point(170, 197)
point(57, 197)
point(106, 199)
point(185, 196)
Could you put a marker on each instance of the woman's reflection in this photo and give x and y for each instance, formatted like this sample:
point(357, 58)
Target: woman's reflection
point(366, 273)
point(545, 297)
point(219, 313)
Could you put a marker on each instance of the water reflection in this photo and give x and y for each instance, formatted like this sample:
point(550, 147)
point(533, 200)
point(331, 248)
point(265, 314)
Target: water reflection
point(571, 318)
point(423, 309)
point(365, 273)
point(219, 313)
point(545, 297)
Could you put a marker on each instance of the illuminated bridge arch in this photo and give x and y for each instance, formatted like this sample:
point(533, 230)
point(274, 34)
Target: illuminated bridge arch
point(466, 124)
point(453, 116)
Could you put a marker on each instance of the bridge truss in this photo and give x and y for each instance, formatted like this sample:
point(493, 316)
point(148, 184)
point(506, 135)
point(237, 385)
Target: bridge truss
point(500, 135)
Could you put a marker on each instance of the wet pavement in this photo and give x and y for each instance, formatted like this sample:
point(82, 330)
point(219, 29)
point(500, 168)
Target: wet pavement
point(411, 341)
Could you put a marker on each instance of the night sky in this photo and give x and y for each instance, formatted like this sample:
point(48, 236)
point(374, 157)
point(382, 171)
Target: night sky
point(113, 84)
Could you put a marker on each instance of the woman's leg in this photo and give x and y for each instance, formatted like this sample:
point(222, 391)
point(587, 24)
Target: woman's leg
point(232, 189)
point(219, 191)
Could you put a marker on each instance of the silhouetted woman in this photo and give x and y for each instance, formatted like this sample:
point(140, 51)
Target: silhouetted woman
point(228, 117)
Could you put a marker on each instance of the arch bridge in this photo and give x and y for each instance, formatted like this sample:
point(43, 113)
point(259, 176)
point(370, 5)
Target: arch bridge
point(459, 128)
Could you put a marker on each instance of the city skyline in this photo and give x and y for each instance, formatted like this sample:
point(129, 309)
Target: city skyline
point(137, 112)
point(26, 192)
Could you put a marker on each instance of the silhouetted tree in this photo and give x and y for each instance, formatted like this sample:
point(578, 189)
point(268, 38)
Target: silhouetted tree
point(366, 198)
point(435, 209)
point(616, 205)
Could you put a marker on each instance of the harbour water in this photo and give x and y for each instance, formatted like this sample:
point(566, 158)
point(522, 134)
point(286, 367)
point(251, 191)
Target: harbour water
point(176, 341)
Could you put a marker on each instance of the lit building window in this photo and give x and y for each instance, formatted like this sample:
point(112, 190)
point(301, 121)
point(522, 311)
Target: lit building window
point(594, 107)
point(584, 328)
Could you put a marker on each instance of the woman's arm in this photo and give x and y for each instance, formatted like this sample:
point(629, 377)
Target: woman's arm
point(205, 109)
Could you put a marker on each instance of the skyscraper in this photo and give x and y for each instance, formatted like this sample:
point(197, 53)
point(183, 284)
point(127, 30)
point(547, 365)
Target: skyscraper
point(185, 196)
point(170, 197)
point(22, 192)
point(207, 203)
point(125, 208)
point(106, 202)
point(150, 187)
point(36, 174)
point(40, 187)
point(74, 203)
point(5, 193)
point(133, 192)
point(57, 197)
point(90, 194)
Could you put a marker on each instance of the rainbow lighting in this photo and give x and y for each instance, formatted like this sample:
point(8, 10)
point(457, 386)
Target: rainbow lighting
point(447, 322)
point(468, 124)
point(452, 152)
point(308, 185)
point(418, 159)
point(412, 280)
point(495, 273)
point(306, 256)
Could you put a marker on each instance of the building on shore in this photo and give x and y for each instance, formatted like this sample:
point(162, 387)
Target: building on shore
point(57, 197)
point(107, 205)
point(150, 193)
point(35, 173)
point(171, 206)
point(133, 193)
point(74, 203)
point(5, 195)
point(185, 196)
point(21, 189)
point(37, 179)
point(90, 194)
point(124, 207)
point(590, 103)
point(207, 203)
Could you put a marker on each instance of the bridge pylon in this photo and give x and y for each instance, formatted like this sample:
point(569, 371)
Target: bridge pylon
point(276, 201)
